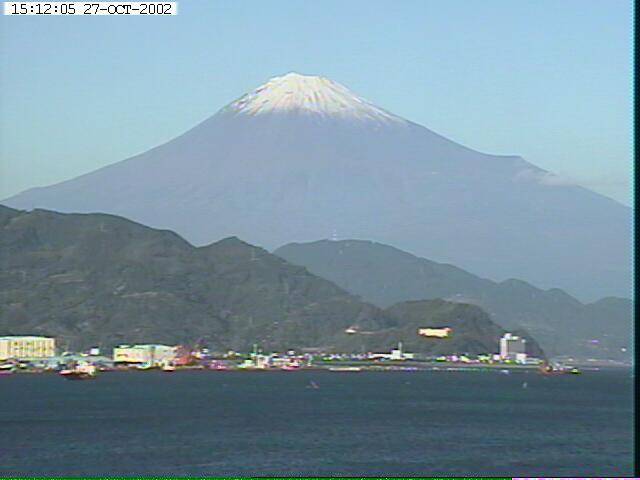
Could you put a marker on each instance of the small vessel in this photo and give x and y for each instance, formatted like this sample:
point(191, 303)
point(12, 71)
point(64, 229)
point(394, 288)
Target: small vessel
point(313, 385)
point(7, 369)
point(79, 372)
point(345, 369)
point(168, 368)
point(548, 369)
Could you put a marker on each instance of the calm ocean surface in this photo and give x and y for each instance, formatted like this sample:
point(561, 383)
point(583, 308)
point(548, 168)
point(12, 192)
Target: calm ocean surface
point(364, 423)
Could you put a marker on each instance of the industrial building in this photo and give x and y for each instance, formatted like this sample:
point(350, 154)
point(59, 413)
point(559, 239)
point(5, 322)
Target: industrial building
point(396, 354)
point(27, 347)
point(147, 355)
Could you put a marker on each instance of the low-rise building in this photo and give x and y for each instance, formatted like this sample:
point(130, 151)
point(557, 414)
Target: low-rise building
point(259, 361)
point(56, 363)
point(27, 347)
point(149, 355)
point(521, 358)
point(532, 361)
point(396, 354)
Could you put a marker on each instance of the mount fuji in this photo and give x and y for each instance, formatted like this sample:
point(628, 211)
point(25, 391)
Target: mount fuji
point(301, 158)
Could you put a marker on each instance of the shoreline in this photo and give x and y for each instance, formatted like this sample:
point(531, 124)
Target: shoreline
point(348, 367)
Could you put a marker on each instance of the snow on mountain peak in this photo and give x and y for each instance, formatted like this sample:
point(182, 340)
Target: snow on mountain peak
point(294, 92)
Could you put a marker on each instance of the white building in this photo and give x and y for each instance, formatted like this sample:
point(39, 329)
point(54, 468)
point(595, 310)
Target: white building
point(513, 347)
point(27, 347)
point(259, 361)
point(150, 355)
point(396, 354)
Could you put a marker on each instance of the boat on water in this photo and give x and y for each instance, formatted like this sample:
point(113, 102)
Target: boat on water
point(79, 372)
point(345, 369)
point(289, 368)
point(7, 369)
point(168, 368)
point(549, 369)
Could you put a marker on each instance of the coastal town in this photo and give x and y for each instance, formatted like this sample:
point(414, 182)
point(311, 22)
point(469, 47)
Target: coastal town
point(37, 354)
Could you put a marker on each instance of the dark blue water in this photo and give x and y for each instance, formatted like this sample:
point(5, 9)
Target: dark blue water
point(271, 423)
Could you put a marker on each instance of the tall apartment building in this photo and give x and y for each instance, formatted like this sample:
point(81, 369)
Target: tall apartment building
point(513, 347)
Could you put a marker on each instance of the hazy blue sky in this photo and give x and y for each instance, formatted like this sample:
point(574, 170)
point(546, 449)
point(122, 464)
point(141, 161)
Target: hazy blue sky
point(547, 79)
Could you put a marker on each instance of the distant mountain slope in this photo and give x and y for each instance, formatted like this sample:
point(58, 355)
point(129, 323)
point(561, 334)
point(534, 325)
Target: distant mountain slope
point(302, 157)
point(95, 279)
point(384, 275)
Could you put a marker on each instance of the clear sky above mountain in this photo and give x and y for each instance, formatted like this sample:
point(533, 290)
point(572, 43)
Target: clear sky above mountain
point(548, 80)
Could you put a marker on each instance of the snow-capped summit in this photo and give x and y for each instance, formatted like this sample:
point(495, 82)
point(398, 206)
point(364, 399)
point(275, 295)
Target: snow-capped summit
point(294, 92)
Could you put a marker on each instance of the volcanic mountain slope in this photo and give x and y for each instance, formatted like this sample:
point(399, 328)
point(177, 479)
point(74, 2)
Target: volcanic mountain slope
point(384, 275)
point(95, 279)
point(302, 158)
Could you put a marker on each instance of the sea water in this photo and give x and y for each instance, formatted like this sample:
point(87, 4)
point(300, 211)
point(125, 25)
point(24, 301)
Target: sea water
point(423, 423)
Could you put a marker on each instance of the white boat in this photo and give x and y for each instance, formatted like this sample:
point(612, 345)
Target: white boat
point(345, 369)
point(79, 372)
point(7, 369)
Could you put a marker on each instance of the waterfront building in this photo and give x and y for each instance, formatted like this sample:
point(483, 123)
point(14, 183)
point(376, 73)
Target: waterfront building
point(521, 358)
point(27, 347)
point(259, 361)
point(280, 361)
point(532, 361)
point(148, 355)
point(56, 363)
point(396, 354)
point(513, 347)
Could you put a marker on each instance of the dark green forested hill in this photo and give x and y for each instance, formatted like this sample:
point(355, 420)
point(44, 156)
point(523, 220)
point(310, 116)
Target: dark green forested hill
point(473, 331)
point(100, 279)
point(95, 279)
